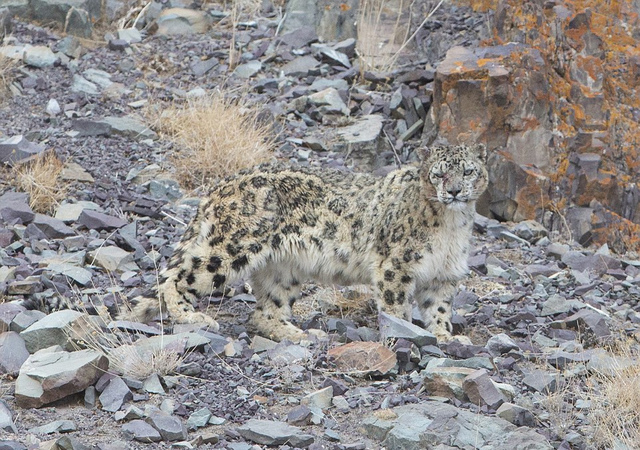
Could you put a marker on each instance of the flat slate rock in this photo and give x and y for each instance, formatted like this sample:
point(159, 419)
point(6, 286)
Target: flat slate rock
point(54, 329)
point(271, 432)
point(48, 376)
point(409, 427)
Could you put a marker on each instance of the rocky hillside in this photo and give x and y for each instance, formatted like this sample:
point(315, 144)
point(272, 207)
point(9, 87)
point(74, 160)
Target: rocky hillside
point(547, 321)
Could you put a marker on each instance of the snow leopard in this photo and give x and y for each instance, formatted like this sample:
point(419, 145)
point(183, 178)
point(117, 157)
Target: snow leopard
point(407, 234)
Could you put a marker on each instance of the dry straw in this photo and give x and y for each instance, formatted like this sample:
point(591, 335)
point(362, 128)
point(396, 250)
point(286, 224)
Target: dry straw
point(40, 178)
point(214, 136)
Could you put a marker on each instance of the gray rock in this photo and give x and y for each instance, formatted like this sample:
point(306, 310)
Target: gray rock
point(78, 23)
point(95, 220)
point(7, 313)
point(516, 415)
point(530, 230)
point(115, 395)
point(91, 128)
point(555, 304)
point(409, 427)
point(300, 66)
point(13, 353)
point(333, 56)
point(320, 84)
point(181, 21)
point(131, 413)
point(329, 101)
point(170, 427)
point(501, 343)
point(130, 35)
point(39, 56)
point(57, 10)
point(392, 327)
point(52, 228)
point(77, 274)
point(481, 390)
point(300, 415)
point(199, 419)
point(586, 320)
point(55, 329)
point(362, 140)
point(14, 207)
point(57, 426)
point(18, 148)
point(446, 381)
point(270, 432)
point(319, 399)
point(248, 70)
point(83, 86)
point(25, 319)
point(475, 362)
point(98, 77)
point(130, 127)
point(541, 381)
point(112, 259)
point(153, 385)
point(260, 344)
point(141, 431)
point(6, 419)
point(11, 445)
point(48, 376)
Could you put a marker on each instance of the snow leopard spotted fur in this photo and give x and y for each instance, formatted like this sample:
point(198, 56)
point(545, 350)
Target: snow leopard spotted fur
point(407, 235)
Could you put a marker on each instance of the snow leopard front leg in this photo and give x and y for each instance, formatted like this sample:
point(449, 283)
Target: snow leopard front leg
point(394, 290)
point(435, 300)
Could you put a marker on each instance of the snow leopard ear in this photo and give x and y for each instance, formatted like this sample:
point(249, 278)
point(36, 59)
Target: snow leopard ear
point(480, 150)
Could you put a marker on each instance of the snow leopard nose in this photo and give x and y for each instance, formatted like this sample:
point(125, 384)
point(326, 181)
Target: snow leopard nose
point(454, 191)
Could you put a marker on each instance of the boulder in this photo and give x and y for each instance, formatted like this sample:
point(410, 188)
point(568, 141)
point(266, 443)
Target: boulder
point(50, 375)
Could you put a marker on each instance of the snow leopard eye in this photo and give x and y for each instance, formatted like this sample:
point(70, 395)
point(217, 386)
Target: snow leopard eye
point(468, 171)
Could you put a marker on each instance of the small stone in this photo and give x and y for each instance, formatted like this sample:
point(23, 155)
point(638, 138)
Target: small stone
point(481, 390)
point(392, 327)
point(300, 66)
point(170, 427)
point(115, 395)
point(199, 419)
point(112, 259)
point(13, 353)
point(130, 35)
point(541, 381)
point(517, 415)
point(57, 426)
point(300, 415)
point(52, 228)
point(6, 420)
point(141, 431)
point(329, 102)
point(249, 69)
point(500, 344)
point(320, 398)
point(95, 220)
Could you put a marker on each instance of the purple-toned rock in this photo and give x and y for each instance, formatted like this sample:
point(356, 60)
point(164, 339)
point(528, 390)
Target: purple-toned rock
point(141, 431)
point(52, 228)
point(13, 353)
point(18, 148)
point(115, 395)
point(170, 427)
point(95, 220)
point(481, 391)
point(14, 208)
point(7, 313)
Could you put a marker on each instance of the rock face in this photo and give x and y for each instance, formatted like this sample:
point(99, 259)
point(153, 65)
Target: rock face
point(51, 375)
point(542, 104)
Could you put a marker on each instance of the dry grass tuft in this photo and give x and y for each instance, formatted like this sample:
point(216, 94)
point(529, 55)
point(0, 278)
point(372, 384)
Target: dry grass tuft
point(215, 137)
point(126, 358)
point(615, 408)
point(7, 66)
point(383, 31)
point(40, 178)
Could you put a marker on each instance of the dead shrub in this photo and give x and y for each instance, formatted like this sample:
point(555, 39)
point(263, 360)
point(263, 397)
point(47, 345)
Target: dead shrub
point(615, 403)
point(215, 136)
point(40, 178)
point(7, 66)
